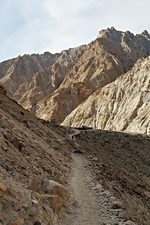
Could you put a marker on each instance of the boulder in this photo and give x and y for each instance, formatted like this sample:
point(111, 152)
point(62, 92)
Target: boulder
point(52, 187)
point(116, 205)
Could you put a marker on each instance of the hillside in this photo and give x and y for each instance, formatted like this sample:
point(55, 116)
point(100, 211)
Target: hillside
point(35, 154)
point(29, 78)
point(123, 105)
point(52, 86)
point(31, 158)
point(112, 54)
point(121, 164)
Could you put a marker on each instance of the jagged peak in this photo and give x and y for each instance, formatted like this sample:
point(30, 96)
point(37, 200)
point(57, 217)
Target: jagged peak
point(112, 30)
point(146, 34)
point(112, 34)
point(129, 33)
point(108, 30)
point(117, 36)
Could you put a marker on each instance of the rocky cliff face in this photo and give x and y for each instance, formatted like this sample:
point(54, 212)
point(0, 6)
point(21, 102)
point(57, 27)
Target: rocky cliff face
point(53, 85)
point(35, 161)
point(30, 78)
point(122, 105)
point(112, 54)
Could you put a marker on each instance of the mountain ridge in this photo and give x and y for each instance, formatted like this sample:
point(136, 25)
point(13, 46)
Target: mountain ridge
point(51, 86)
point(121, 105)
point(35, 167)
point(45, 167)
point(93, 72)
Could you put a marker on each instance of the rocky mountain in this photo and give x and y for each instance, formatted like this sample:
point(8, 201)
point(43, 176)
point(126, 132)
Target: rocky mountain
point(52, 174)
point(112, 54)
point(52, 86)
point(39, 159)
point(121, 105)
point(30, 78)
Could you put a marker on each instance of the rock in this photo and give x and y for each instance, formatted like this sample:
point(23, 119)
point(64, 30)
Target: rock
point(99, 187)
point(3, 187)
point(147, 194)
point(54, 188)
point(36, 185)
point(129, 223)
point(56, 202)
point(2, 90)
point(107, 193)
point(98, 66)
point(113, 199)
point(16, 142)
point(18, 222)
point(37, 223)
point(35, 201)
point(75, 204)
point(26, 123)
point(77, 151)
point(29, 78)
point(71, 87)
point(120, 100)
point(121, 214)
point(116, 205)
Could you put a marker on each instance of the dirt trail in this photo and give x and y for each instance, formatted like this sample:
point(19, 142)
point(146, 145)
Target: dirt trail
point(90, 203)
point(87, 211)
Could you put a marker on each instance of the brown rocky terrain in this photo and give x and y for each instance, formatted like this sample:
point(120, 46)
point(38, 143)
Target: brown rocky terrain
point(55, 175)
point(112, 54)
point(121, 164)
point(110, 168)
point(33, 167)
point(51, 86)
point(122, 105)
point(30, 78)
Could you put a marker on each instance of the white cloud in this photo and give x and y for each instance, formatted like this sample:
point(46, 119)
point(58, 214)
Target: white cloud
point(35, 26)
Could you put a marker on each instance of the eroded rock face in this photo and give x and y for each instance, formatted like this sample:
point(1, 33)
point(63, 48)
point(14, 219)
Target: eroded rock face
point(122, 105)
point(112, 54)
point(53, 187)
point(30, 78)
point(51, 86)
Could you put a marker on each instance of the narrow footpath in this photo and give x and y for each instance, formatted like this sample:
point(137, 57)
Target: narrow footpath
point(90, 203)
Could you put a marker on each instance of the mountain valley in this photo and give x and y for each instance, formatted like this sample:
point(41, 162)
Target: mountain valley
point(75, 134)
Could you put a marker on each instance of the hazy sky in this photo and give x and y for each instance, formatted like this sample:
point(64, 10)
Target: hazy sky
point(35, 26)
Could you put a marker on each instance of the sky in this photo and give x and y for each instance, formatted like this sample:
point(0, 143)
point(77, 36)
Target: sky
point(36, 26)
